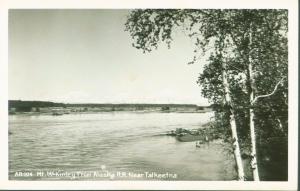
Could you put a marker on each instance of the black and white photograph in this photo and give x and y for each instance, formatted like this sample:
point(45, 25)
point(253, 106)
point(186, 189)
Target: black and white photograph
point(150, 95)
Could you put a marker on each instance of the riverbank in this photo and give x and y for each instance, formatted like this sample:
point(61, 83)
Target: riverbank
point(207, 132)
point(272, 152)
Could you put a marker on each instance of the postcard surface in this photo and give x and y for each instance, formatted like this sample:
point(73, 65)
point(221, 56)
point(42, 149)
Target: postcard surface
point(149, 96)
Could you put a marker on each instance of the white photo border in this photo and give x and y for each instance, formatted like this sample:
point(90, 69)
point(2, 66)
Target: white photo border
point(290, 5)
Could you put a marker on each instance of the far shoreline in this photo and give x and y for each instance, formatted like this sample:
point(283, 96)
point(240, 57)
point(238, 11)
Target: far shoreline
point(102, 112)
point(17, 107)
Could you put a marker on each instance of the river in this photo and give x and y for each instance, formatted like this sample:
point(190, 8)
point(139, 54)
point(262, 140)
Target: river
point(113, 146)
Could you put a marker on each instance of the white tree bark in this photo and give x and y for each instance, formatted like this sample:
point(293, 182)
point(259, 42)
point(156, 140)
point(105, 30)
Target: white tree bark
point(254, 166)
point(251, 121)
point(236, 147)
point(268, 95)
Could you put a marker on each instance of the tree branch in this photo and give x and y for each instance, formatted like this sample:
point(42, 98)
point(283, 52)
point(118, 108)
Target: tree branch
point(267, 95)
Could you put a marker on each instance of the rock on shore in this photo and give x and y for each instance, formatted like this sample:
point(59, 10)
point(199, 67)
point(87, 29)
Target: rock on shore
point(205, 133)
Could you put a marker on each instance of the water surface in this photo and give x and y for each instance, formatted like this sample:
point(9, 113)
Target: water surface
point(111, 143)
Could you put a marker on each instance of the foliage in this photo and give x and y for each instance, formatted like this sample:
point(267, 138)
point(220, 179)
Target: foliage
point(238, 38)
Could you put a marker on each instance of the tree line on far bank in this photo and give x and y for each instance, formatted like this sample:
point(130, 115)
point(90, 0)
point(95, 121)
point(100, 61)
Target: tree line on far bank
point(26, 106)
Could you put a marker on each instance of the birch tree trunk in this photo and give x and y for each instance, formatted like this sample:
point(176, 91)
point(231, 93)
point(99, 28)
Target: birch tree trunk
point(236, 147)
point(254, 166)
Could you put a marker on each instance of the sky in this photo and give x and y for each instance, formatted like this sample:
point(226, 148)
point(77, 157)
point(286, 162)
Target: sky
point(85, 56)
